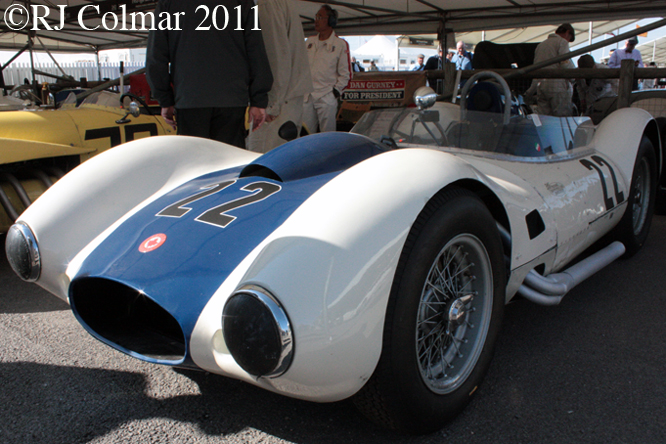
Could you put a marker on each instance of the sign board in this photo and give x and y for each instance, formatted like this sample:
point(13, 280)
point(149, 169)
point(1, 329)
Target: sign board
point(384, 89)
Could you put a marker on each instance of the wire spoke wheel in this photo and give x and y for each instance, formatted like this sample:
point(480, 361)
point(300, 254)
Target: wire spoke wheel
point(443, 316)
point(454, 314)
point(633, 228)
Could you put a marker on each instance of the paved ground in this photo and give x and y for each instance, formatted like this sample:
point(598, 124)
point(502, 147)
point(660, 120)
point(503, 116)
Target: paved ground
point(591, 370)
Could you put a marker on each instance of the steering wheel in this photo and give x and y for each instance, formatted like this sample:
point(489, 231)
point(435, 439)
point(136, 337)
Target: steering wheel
point(138, 99)
point(483, 75)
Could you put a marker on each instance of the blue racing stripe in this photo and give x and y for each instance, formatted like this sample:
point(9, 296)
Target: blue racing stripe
point(180, 248)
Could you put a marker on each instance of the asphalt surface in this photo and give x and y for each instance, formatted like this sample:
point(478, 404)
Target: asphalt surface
point(590, 370)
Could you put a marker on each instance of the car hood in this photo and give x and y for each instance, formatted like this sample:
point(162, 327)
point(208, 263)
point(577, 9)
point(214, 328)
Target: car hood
point(179, 249)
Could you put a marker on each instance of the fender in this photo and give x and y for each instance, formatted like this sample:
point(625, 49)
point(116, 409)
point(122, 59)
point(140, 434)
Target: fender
point(18, 150)
point(338, 307)
point(84, 203)
point(617, 137)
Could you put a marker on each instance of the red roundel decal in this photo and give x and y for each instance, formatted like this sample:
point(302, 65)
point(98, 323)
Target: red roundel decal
point(152, 243)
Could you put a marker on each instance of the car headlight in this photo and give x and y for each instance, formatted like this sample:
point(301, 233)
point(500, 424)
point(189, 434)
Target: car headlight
point(23, 252)
point(257, 332)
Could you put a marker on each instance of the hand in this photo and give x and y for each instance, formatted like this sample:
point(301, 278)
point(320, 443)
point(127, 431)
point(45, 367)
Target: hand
point(270, 118)
point(167, 115)
point(257, 117)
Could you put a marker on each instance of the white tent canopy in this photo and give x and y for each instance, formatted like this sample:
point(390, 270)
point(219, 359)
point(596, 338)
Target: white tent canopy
point(380, 49)
point(384, 51)
point(459, 16)
point(357, 17)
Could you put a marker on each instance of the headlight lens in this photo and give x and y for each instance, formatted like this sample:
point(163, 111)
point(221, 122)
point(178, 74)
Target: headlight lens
point(23, 252)
point(257, 332)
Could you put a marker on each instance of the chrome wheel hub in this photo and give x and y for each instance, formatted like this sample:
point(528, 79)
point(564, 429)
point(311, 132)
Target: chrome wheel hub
point(458, 311)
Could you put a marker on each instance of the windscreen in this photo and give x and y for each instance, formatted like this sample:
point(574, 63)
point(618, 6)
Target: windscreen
point(530, 135)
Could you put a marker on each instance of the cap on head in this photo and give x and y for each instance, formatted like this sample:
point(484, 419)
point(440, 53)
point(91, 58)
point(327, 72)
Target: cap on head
point(563, 28)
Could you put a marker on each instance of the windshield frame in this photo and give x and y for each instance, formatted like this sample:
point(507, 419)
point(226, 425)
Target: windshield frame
point(531, 137)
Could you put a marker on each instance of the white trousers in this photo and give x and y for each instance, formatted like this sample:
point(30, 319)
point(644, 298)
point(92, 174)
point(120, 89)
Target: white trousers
point(554, 97)
point(320, 114)
point(266, 137)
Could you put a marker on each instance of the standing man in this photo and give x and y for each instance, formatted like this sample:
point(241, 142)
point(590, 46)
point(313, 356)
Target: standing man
point(462, 58)
point(420, 66)
point(629, 52)
point(554, 95)
point(436, 61)
point(283, 37)
point(215, 73)
point(331, 72)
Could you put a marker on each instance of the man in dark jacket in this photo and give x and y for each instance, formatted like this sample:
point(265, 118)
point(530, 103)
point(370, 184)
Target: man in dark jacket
point(208, 72)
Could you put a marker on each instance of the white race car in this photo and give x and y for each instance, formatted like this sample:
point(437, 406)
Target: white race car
point(373, 265)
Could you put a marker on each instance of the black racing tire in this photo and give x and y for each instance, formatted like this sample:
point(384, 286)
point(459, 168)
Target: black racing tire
point(633, 228)
point(660, 200)
point(455, 319)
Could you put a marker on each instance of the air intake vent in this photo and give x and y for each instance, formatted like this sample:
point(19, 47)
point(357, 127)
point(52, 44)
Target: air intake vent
point(128, 320)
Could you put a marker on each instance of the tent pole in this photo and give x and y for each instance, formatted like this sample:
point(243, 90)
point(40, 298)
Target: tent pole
point(397, 52)
point(32, 60)
point(52, 58)
point(99, 69)
point(21, 51)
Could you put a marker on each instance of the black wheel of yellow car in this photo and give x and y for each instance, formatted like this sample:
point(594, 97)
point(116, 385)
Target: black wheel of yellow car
point(634, 226)
point(443, 317)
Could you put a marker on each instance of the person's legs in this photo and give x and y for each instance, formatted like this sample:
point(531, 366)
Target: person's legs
point(561, 103)
point(228, 125)
point(327, 110)
point(310, 119)
point(194, 122)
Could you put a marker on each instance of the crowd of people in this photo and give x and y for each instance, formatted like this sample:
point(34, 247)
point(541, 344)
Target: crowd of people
point(556, 96)
point(269, 75)
point(268, 70)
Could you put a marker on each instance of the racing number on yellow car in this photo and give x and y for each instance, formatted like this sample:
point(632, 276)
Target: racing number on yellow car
point(596, 163)
point(113, 132)
point(218, 215)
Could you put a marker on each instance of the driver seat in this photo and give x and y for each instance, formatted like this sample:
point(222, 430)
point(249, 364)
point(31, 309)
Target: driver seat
point(485, 96)
point(481, 129)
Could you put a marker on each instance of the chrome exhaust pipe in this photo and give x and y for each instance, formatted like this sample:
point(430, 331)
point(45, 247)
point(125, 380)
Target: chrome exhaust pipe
point(549, 290)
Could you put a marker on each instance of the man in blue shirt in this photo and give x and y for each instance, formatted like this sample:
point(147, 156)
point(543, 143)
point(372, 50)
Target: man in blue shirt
point(419, 63)
point(463, 58)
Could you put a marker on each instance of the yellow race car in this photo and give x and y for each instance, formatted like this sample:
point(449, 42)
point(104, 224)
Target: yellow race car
point(38, 147)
